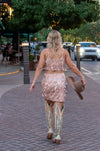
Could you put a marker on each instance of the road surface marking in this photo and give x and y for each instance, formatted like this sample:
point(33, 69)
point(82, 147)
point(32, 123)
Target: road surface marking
point(93, 75)
point(87, 70)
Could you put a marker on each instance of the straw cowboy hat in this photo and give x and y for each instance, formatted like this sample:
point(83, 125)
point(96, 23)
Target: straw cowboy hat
point(77, 86)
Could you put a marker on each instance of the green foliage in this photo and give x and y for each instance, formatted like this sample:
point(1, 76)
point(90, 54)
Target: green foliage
point(88, 12)
point(59, 14)
point(37, 47)
point(90, 32)
point(27, 16)
point(43, 33)
point(4, 15)
point(69, 14)
point(87, 32)
point(88, 1)
point(33, 15)
point(31, 57)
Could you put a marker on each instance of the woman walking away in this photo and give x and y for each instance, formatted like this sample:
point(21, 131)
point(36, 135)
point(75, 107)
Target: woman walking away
point(53, 60)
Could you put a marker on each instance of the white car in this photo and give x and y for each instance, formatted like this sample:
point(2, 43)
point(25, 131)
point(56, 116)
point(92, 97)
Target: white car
point(88, 50)
point(98, 46)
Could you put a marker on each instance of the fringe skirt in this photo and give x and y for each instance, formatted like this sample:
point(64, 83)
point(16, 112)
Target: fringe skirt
point(54, 87)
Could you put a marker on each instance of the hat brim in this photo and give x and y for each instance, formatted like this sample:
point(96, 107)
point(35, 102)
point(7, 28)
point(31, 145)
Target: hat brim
point(79, 94)
point(71, 82)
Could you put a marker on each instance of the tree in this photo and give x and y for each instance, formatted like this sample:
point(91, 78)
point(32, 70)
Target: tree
point(69, 14)
point(27, 16)
point(89, 12)
point(4, 16)
point(60, 14)
point(33, 15)
point(88, 1)
point(87, 32)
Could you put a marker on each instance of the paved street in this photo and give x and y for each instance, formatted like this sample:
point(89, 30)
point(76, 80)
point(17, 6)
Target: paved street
point(23, 124)
point(5, 68)
point(91, 69)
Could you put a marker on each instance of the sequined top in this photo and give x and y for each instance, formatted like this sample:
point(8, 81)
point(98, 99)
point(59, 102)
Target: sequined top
point(55, 65)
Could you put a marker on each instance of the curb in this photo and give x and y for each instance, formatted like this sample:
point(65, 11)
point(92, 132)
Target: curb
point(10, 73)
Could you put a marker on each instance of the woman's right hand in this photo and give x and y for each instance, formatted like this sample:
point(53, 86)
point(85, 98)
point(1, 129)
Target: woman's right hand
point(83, 81)
point(32, 87)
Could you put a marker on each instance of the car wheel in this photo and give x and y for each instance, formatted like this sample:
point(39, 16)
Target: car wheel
point(98, 59)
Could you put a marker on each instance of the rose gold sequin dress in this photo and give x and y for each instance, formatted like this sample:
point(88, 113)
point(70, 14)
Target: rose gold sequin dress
point(54, 85)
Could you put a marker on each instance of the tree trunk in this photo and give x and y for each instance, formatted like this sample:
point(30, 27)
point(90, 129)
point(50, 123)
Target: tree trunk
point(15, 40)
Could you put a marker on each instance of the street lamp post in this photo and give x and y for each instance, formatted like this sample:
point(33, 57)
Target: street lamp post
point(78, 55)
point(26, 62)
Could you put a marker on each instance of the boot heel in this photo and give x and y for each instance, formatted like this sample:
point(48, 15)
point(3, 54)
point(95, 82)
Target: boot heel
point(54, 140)
point(50, 136)
point(57, 141)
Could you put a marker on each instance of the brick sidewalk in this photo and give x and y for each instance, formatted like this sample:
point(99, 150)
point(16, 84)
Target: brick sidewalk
point(23, 124)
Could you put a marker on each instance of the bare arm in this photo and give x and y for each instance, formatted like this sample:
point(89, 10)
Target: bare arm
point(73, 67)
point(38, 69)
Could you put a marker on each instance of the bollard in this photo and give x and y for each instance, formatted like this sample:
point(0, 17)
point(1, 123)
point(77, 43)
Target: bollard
point(25, 47)
point(69, 49)
point(78, 55)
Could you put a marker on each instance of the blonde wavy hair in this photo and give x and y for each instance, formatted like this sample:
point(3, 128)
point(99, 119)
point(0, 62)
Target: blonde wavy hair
point(54, 40)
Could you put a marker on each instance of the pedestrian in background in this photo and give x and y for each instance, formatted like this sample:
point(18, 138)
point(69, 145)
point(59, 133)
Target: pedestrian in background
point(7, 52)
point(53, 60)
point(1, 56)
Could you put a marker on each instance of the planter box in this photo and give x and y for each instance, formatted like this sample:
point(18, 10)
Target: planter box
point(38, 57)
point(32, 65)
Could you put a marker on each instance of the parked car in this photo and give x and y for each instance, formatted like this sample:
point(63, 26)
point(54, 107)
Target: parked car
point(98, 46)
point(88, 50)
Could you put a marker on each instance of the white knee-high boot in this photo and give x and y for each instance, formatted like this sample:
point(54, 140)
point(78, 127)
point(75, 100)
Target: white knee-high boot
point(59, 114)
point(49, 108)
